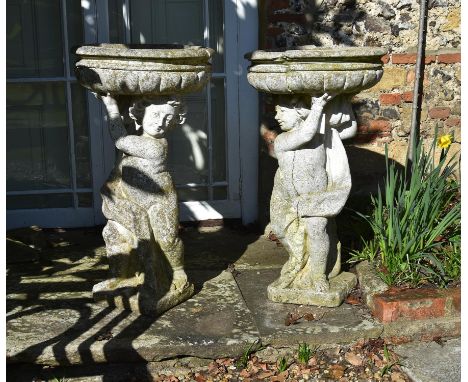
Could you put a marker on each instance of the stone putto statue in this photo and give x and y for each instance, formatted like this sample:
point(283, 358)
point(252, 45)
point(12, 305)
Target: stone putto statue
point(311, 187)
point(140, 202)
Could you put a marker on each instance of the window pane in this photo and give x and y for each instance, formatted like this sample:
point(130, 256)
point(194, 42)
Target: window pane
point(216, 14)
point(188, 144)
point(191, 194)
point(81, 133)
point(218, 129)
point(85, 199)
point(34, 38)
point(116, 21)
point(37, 137)
point(220, 193)
point(167, 21)
point(75, 30)
point(17, 202)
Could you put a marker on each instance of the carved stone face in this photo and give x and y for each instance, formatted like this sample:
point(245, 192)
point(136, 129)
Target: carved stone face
point(287, 117)
point(158, 119)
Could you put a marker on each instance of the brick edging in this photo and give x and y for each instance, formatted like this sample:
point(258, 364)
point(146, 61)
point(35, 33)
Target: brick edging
point(430, 58)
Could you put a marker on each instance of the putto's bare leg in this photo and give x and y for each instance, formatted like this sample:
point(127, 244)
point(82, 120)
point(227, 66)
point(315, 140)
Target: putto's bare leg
point(318, 247)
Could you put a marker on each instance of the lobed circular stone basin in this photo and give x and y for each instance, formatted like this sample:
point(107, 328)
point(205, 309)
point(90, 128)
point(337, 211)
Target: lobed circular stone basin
point(312, 70)
point(142, 69)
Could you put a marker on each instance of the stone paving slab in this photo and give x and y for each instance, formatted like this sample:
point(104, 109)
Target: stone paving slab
point(62, 331)
point(217, 248)
point(431, 362)
point(53, 320)
point(344, 324)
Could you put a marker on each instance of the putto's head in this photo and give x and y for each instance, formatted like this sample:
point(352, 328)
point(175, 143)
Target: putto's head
point(158, 115)
point(290, 114)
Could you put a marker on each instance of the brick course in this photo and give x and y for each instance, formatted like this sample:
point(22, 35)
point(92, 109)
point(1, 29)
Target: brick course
point(390, 99)
point(450, 58)
point(439, 112)
point(416, 304)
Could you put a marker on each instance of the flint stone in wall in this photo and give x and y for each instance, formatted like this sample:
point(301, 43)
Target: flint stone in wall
point(386, 11)
point(376, 24)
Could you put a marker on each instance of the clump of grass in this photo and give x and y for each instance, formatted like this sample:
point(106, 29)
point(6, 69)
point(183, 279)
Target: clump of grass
point(282, 364)
point(304, 352)
point(245, 356)
point(391, 361)
point(416, 222)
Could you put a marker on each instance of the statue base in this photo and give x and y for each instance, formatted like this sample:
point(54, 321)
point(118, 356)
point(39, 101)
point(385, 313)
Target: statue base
point(340, 286)
point(129, 294)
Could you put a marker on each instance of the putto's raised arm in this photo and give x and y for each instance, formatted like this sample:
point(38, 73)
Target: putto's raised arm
point(116, 126)
point(303, 132)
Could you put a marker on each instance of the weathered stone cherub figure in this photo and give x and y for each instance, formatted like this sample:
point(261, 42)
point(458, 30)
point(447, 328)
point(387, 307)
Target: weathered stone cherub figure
point(140, 203)
point(311, 186)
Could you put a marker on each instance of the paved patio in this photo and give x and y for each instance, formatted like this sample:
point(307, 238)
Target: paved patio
point(52, 319)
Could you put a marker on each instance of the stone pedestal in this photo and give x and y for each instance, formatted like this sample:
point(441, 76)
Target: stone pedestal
point(139, 86)
point(313, 180)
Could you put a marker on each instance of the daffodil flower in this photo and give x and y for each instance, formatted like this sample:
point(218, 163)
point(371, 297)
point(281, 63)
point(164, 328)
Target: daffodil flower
point(444, 141)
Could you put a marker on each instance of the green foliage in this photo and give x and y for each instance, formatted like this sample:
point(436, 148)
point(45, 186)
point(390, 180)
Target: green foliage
point(304, 352)
point(244, 358)
point(391, 361)
point(282, 364)
point(416, 222)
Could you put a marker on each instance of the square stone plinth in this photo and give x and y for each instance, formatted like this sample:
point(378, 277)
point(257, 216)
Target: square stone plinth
point(340, 286)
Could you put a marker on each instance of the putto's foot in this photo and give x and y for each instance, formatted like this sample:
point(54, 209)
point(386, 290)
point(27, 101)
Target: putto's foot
point(179, 280)
point(320, 283)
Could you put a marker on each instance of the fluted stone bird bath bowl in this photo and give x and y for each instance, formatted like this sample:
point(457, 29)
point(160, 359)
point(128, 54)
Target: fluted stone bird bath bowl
point(140, 85)
point(313, 180)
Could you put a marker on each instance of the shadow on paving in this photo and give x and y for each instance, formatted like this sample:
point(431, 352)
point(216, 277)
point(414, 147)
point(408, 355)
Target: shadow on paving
point(53, 320)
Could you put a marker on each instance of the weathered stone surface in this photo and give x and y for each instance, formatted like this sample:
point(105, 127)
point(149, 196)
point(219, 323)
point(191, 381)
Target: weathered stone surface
point(369, 282)
point(340, 286)
point(140, 203)
point(342, 324)
point(139, 198)
point(143, 69)
point(311, 187)
point(313, 181)
point(392, 77)
point(312, 70)
point(431, 362)
point(51, 313)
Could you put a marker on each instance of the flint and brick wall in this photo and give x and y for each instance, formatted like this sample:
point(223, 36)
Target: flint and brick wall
point(384, 111)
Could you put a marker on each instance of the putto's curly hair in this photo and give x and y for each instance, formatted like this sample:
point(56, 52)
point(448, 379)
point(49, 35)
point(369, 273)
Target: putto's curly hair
point(137, 111)
point(297, 104)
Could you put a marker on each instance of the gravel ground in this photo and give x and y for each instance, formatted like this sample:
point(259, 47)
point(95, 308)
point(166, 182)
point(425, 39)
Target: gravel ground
point(370, 360)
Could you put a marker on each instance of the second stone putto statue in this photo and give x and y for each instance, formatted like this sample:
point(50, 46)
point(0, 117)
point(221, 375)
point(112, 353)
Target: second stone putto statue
point(313, 181)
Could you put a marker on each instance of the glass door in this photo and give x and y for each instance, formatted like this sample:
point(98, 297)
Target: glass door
point(48, 166)
point(207, 182)
point(59, 151)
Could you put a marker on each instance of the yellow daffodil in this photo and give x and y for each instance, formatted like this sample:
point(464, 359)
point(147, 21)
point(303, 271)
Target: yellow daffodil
point(444, 141)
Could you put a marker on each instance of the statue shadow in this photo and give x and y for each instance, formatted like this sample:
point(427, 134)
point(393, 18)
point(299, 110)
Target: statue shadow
point(50, 294)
